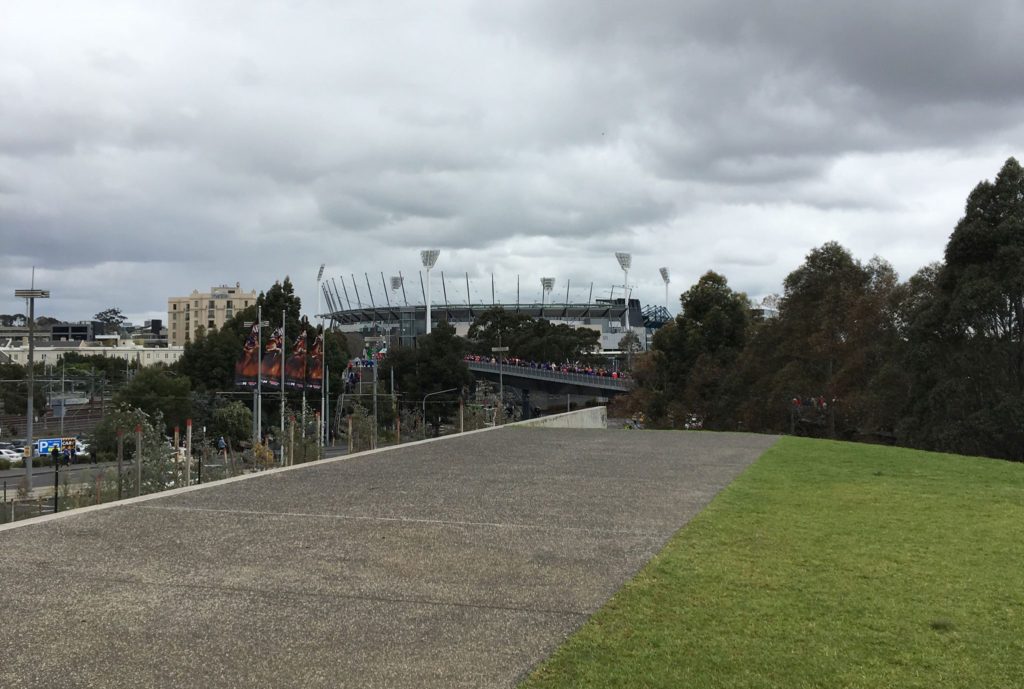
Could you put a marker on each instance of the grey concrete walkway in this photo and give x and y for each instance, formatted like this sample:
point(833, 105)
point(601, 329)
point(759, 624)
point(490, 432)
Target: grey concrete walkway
point(457, 563)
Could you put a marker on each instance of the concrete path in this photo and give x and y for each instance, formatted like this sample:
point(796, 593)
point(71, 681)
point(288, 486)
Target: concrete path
point(461, 562)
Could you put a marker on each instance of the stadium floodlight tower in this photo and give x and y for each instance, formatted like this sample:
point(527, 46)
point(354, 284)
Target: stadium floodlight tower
point(429, 258)
point(546, 285)
point(664, 276)
point(625, 261)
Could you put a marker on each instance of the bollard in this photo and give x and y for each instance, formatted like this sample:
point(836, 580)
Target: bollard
point(188, 453)
point(56, 469)
point(138, 461)
point(120, 463)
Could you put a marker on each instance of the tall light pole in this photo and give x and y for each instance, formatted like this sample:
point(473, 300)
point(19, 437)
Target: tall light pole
point(429, 258)
point(31, 295)
point(323, 355)
point(500, 351)
point(625, 260)
point(664, 276)
point(257, 405)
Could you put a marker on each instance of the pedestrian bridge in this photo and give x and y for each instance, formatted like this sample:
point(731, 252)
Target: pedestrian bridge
point(552, 381)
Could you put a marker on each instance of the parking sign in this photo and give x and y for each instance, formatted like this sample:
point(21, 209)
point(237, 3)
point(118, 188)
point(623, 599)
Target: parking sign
point(48, 444)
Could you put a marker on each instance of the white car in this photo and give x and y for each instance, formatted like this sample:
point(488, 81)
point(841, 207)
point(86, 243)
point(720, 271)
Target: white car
point(10, 454)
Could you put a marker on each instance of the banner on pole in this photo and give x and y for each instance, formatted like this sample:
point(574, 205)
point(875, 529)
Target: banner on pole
point(272, 360)
point(246, 367)
point(316, 363)
point(295, 365)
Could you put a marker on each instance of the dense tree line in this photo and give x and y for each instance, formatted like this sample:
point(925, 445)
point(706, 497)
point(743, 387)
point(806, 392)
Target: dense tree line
point(936, 362)
point(532, 339)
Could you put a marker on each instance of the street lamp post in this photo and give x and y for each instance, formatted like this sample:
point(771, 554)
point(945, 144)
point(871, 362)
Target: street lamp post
point(373, 363)
point(31, 295)
point(429, 258)
point(430, 394)
point(499, 350)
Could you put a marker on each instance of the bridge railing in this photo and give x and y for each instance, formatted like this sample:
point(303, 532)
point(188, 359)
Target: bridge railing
point(595, 381)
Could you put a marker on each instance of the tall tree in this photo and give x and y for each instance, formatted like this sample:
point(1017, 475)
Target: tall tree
point(696, 350)
point(833, 336)
point(969, 393)
point(157, 389)
point(111, 318)
point(436, 363)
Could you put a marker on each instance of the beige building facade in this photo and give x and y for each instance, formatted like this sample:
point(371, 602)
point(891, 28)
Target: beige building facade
point(208, 310)
point(108, 346)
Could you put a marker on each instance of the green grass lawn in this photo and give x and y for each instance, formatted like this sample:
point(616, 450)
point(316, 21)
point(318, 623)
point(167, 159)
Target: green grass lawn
point(825, 564)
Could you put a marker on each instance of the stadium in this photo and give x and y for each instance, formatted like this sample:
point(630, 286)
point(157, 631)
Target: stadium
point(398, 311)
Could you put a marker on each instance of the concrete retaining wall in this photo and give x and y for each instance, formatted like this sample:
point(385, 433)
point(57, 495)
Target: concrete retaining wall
point(592, 417)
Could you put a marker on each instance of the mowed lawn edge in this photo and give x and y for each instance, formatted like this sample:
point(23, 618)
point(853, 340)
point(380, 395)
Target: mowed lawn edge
point(825, 564)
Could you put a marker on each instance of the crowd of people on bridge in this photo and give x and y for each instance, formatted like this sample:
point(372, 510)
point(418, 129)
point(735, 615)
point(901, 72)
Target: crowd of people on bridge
point(567, 367)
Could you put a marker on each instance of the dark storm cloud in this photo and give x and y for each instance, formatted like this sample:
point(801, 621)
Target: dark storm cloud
point(724, 88)
point(180, 146)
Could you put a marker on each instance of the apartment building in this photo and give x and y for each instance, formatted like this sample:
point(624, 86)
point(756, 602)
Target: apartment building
point(208, 310)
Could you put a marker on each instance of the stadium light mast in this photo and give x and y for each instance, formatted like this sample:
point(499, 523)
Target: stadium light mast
point(546, 285)
point(625, 261)
point(396, 284)
point(429, 258)
point(664, 276)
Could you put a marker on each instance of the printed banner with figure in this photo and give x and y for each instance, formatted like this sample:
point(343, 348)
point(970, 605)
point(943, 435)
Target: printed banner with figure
point(246, 368)
point(295, 365)
point(316, 363)
point(272, 359)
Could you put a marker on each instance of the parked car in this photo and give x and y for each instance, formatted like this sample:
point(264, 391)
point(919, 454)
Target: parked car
point(10, 454)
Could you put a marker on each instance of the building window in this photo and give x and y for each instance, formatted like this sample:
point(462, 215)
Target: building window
point(211, 325)
point(229, 303)
point(228, 314)
point(174, 307)
point(209, 314)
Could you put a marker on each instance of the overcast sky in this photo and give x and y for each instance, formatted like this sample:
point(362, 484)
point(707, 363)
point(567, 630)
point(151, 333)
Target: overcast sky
point(150, 149)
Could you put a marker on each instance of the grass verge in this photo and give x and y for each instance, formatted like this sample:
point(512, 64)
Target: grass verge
point(825, 564)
